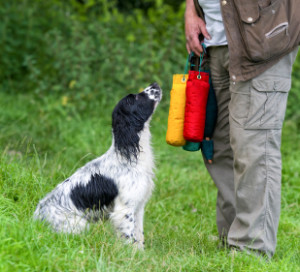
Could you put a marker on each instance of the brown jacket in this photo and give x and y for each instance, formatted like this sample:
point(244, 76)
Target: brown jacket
point(259, 33)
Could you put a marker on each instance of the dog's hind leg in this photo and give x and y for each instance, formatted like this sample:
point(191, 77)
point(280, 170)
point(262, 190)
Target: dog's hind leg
point(61, 220)
point(122, 218)
point(72, 224)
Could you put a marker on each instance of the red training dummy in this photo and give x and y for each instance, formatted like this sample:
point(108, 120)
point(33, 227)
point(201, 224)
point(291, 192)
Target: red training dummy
point(197, 90)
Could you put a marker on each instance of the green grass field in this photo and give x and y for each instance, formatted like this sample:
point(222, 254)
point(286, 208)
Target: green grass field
point(43, 141)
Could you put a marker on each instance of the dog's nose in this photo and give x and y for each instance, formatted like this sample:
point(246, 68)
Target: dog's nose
point(155, 85)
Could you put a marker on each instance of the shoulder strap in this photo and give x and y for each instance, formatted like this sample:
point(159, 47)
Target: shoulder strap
point(199, 9)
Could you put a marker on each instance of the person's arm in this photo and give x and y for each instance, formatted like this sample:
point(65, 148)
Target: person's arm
point(194, 26)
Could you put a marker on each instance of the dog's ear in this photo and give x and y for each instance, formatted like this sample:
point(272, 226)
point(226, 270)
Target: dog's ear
point(126, 137)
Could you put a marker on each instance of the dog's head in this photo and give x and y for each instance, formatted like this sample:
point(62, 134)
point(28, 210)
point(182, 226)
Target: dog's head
point(129, 118)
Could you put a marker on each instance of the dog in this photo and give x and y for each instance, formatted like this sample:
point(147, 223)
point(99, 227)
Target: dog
point(116, 185)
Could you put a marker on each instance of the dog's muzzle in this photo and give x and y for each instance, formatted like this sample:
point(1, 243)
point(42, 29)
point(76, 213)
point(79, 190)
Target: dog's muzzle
point(154, 92)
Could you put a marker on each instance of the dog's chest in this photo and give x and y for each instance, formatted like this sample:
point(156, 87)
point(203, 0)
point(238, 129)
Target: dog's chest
point(136, 185)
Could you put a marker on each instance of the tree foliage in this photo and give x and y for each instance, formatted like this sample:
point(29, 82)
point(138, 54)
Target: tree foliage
point(54, 47)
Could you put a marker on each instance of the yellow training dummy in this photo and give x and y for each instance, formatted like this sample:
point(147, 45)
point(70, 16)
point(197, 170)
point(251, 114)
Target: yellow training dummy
point(176, 112)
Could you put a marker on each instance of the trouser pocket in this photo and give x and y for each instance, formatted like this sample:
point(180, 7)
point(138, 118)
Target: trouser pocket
point(260, 103)
point(268, 103)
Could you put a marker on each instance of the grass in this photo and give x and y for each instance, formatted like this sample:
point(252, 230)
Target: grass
point(43, 141)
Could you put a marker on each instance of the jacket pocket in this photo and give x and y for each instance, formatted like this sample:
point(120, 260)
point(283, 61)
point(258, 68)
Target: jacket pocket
point(268, 99)
point(264, 28)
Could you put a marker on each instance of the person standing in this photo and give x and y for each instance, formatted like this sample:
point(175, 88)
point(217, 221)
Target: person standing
point(251, 47)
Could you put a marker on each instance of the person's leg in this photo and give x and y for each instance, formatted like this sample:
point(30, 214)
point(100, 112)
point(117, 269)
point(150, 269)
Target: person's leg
point(221, 170)
point(257, 110)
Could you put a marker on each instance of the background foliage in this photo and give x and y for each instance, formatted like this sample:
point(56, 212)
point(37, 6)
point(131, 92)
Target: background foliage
point(87, 50)
point(63, 48)
point(90, 49)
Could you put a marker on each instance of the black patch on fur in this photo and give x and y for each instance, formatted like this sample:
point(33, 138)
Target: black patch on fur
point(128, 119)
point(98, 192)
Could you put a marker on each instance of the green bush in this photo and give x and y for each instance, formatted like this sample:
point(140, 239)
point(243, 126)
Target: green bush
point(52, 48)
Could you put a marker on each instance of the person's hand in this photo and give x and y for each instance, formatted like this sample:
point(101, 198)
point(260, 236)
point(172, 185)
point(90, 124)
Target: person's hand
point(194, 26)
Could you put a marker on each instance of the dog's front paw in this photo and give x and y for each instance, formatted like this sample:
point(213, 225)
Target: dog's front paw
point(139, 245)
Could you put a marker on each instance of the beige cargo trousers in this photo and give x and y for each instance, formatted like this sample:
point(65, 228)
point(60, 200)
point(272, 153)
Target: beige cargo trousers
point(246, 166)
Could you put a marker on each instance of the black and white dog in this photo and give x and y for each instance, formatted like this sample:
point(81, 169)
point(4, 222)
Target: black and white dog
point(116, 185)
